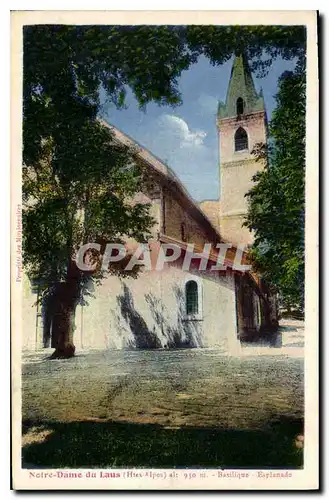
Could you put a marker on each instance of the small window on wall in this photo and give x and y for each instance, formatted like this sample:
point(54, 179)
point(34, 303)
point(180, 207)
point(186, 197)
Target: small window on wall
point(192, 297)
point(239, 106)
point(183, 231)
point(241, 139)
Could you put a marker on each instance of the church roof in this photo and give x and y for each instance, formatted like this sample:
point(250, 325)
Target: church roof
point(159, 167)
point(241, 85)
point(177, 188)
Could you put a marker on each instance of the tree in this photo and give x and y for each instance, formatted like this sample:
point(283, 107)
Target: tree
point(277, 200)
point(72, 165)
point(64, 211)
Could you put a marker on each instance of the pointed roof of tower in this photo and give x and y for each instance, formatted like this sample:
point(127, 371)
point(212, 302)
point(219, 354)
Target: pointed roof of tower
point(241, 85)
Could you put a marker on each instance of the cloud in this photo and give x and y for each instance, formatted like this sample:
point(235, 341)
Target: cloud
point(193, 159)
point(176, 128)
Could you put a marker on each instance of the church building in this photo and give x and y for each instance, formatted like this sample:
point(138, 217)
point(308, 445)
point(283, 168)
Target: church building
point(173, 307)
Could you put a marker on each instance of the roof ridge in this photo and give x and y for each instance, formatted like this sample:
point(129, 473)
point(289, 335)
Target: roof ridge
point(165, 171)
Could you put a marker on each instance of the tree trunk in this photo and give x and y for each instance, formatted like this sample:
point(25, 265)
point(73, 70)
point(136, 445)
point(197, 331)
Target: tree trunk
point(64, 320)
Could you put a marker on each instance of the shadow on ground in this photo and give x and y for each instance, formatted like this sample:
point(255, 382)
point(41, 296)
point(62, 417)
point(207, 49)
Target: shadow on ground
point(265, 339)
point(120, 444)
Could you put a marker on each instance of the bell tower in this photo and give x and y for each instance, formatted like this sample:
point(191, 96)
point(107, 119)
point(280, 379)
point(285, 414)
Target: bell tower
point(241, 124)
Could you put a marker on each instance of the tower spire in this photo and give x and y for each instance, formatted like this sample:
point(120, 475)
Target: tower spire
point(241, 124)
point(241, 86)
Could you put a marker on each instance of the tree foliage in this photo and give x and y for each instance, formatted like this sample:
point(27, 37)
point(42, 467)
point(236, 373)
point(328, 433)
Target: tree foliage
point(277, 201)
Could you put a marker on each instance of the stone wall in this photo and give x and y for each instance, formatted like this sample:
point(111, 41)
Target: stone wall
point(236, 172)
point(179, 223)
point(211, 208)
point(232, 231)
point(254, 125)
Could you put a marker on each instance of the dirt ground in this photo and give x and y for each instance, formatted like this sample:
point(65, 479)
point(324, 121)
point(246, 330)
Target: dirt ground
point(188, 407)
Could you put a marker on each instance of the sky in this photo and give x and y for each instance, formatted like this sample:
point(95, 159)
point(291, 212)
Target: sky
point(185, 137)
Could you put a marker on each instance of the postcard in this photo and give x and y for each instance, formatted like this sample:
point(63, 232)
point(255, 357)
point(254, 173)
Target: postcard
point(164, 272)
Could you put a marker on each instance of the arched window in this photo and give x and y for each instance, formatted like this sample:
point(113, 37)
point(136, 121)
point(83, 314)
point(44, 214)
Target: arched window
point(192, 297)
point(241, 139)
point(239, 106)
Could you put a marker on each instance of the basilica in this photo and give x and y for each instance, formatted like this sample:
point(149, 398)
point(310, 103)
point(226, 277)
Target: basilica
point(176, 307)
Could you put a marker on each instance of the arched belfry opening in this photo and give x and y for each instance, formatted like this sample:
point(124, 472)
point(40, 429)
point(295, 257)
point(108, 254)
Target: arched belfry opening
point(241, 140)
point(239, 106)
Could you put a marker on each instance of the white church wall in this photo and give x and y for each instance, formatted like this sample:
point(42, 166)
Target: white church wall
point(220, 312)
point(149, 312)
point(118, 315)
point(29, 315)
point(178, 329)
